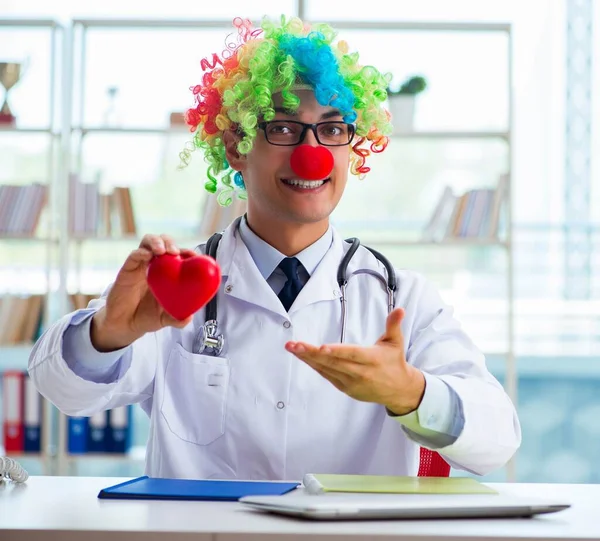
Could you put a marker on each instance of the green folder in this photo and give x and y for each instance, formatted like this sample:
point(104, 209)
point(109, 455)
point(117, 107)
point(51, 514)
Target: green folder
point(319, 483)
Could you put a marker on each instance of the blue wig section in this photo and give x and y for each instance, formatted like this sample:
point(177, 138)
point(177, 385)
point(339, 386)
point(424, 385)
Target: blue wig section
point(238, 180)
point(318, 67)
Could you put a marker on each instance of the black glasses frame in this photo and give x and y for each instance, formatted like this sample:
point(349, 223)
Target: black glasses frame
point(313, 127)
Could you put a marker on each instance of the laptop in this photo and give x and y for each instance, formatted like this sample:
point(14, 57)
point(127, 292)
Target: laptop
point(402, 506)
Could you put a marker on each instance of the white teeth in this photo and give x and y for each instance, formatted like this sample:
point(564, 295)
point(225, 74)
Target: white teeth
point(309, 184)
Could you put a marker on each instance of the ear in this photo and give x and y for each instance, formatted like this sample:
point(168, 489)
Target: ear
point(236, 160)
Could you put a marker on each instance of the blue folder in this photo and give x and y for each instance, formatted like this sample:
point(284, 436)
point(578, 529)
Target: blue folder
point(152, 488)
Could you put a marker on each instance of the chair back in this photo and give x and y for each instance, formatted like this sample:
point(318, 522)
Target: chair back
point(431, 464)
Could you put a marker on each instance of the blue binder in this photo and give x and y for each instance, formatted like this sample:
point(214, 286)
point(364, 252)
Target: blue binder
point(77, 428)
point(33, 414)
point(97, 433)
point(152, 488)
point(118, 438)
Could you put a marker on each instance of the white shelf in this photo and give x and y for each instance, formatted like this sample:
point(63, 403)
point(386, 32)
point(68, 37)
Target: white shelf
point(91, 238)
point(7, 128)
point(29, 22)
point(14, 357)
point(465, 243)
point(135, 454)
point(134, 130)
point(26, 238)
point(451, 135)
point(23, 455)
point(128, 238)
point(340, 24)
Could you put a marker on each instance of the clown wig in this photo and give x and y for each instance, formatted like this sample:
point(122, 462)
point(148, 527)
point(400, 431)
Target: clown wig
point(236, 93)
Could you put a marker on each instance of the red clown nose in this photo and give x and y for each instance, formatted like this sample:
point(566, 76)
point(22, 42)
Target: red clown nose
point(312, 163)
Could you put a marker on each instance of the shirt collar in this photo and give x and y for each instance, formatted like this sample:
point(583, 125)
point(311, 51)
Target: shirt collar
point(267, 258)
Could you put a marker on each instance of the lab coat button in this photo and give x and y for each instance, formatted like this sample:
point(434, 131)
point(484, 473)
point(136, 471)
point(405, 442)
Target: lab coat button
point(287, 324)
point(280, 405)
point(229, 289)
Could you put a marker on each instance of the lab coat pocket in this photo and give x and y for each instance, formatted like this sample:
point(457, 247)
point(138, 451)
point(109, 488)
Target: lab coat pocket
point(195, 396)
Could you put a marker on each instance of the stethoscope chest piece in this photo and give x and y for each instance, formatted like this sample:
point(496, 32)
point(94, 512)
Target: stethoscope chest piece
point(208, 341)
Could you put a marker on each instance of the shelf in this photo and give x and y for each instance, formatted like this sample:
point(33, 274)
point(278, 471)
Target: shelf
point(136, 453)
point(134, 130)
point(181, 241)
point(451, 135)
point(27, 238)
point(23, 455)
point(442, 244)
point(29, 22)
point(440, 26)
point(7, 128)
point(123, 238)
point(14, 357)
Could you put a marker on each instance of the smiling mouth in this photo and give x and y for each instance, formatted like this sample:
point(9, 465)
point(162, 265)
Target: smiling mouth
point(305, 184)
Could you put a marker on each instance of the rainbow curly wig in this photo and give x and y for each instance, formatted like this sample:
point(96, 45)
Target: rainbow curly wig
point(238, 85)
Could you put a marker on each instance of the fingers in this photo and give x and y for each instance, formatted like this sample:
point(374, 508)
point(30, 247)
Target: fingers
point(332, 353)
point(138, 258)
point(348, 352)
point(184, 252)
point(159, 244)
point(393, 329)
point(326, 362)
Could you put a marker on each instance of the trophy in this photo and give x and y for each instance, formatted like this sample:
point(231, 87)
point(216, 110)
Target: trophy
point(10, 73)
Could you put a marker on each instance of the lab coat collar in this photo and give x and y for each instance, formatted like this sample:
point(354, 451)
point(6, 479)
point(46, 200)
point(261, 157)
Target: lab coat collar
point(243, 280)
point(322, 285)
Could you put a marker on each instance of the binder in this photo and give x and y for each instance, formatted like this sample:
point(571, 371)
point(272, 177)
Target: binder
point(393, 484)
point(13, 427)
point(152, 488)
point(97, 433)
point(119, 430)
point(77, 428)
point(32, 418)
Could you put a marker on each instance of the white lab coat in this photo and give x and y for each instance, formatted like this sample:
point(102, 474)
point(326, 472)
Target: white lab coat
point(259, 412)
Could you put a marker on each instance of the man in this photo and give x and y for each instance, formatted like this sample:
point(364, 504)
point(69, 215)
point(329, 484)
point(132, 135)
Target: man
point(281, 120)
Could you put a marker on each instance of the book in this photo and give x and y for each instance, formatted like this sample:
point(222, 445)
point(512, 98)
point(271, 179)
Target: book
point(391, 484)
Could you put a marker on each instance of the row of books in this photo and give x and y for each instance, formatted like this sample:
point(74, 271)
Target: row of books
point(92, 213)
point(476, 214)
point(105, 432)
point(21, 318)
point(22, 413)
point(21, 208)
point(23, 422)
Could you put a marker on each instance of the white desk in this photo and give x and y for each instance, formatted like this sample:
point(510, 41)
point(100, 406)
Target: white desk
point(67, 508)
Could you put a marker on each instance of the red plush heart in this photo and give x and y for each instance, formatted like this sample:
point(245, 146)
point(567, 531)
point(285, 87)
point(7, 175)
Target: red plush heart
point(183, 283)
point(311, 163)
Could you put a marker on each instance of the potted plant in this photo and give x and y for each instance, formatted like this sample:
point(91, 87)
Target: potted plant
point(402, 102)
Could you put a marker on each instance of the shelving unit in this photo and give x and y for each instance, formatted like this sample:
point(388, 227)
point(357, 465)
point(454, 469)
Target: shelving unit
point(44, 243)
point(73, 130)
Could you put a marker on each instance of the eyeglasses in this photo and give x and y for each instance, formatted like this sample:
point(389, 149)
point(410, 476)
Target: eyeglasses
point(290, 132)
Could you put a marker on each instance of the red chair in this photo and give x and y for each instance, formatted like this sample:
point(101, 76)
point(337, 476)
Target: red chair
point(432, 464)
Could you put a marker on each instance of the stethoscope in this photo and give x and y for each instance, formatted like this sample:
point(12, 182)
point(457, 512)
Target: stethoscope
point(209, 341)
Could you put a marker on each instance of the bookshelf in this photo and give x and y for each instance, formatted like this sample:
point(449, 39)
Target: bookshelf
point(30, 153)
point(96, 156)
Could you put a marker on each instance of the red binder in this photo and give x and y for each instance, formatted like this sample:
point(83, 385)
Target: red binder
point(13, 392)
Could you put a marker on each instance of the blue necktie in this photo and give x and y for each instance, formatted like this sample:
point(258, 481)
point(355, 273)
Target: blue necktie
point(290, 267)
